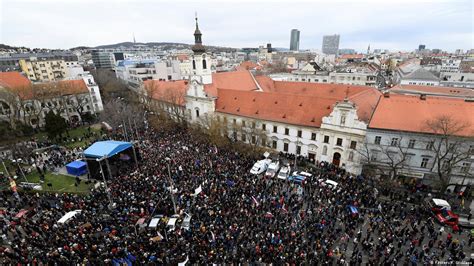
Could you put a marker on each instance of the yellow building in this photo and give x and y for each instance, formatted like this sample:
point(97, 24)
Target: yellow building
point(43, 70)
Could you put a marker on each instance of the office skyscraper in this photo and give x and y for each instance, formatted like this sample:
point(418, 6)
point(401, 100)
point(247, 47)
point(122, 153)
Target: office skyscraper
point(295, 40)
point(331, 44)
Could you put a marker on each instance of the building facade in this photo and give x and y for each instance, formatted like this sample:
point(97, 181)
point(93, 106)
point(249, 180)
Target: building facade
point(330, 44)
point(295, 40)
point(29, 103)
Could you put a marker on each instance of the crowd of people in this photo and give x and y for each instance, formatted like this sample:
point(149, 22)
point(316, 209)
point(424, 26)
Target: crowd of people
point(236, 218)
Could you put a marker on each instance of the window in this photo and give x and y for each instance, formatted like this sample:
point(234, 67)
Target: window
point(243, 138)
point(275, 129)
point(377, 140)
point(343, 120)
point(313, 136)
point(285, 147)
point(274, 144)
point(194, 64)
point(204, 64)
point(424, 162)
point(394, 142)
point(465, 167)
point(339, 142)
point(287, 131)
point(243, 123)
point(197, 113)
point(353, 145)
point(445, 165)
point(411, 144)
point(234, 121)
point(351, 156)
point(254, 139)
point(326, 139)
point(325, 150)
point(373, 156)
point(253, 125)
point(298, 150)
point(264, 127)
point(234, 135)
point(300, 133)
point(264, 143)
point(430, 145)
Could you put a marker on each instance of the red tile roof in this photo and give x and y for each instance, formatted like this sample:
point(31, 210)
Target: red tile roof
point(363, 96)
point(272, 106)
point(248, 65)
point(168, 91)
point(351, 56)
point(410, 113)
point(22, 87)
point(13, 79)
point(433, 90)
point(235, 80)
point(296, 103)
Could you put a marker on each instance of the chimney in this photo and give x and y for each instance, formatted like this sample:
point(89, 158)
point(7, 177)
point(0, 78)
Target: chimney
point(423, 97)
point(386, 94)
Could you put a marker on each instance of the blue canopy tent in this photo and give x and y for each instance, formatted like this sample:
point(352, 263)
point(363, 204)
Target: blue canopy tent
point(76, 168)
point(106, 148)
point(104, 158)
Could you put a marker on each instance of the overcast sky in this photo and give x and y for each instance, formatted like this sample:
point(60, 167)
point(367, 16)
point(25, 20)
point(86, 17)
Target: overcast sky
point(394, 25)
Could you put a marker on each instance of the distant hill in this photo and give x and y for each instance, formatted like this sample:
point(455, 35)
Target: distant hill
point(8, 47)
point(131, 44)
point(162, 45)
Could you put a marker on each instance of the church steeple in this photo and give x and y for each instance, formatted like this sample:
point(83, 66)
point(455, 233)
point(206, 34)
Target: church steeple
point(197, 47)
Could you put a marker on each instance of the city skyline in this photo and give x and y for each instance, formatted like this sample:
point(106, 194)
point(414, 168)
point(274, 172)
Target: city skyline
point(444, 25)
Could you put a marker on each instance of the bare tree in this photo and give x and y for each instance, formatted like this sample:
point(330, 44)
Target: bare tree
point(175, 100)
point(394, 157)
point(120, 114)
point(450, 143)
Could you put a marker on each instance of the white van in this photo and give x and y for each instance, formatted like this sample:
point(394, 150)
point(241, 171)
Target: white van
point(284, 172)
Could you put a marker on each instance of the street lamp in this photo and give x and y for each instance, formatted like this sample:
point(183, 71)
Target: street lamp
point(168, 160)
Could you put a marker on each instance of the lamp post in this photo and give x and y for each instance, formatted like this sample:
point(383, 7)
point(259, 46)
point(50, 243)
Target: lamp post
point(171, 184)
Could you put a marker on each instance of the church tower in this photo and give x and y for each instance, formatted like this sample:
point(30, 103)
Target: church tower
point(201, 63)
point(198, 103)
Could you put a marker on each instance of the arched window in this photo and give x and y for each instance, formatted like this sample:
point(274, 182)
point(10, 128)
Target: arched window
point(194, 64)
point(325, 150)
point(197, 113)
point(204, 64)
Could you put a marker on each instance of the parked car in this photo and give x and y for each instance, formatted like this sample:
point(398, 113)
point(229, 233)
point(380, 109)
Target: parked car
point(437, 205)
point(260, 166)
point(448, 218)
point(441, 209)
point(272, 169)
point(299, 177)
point(328, 183)
point(284, 172)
